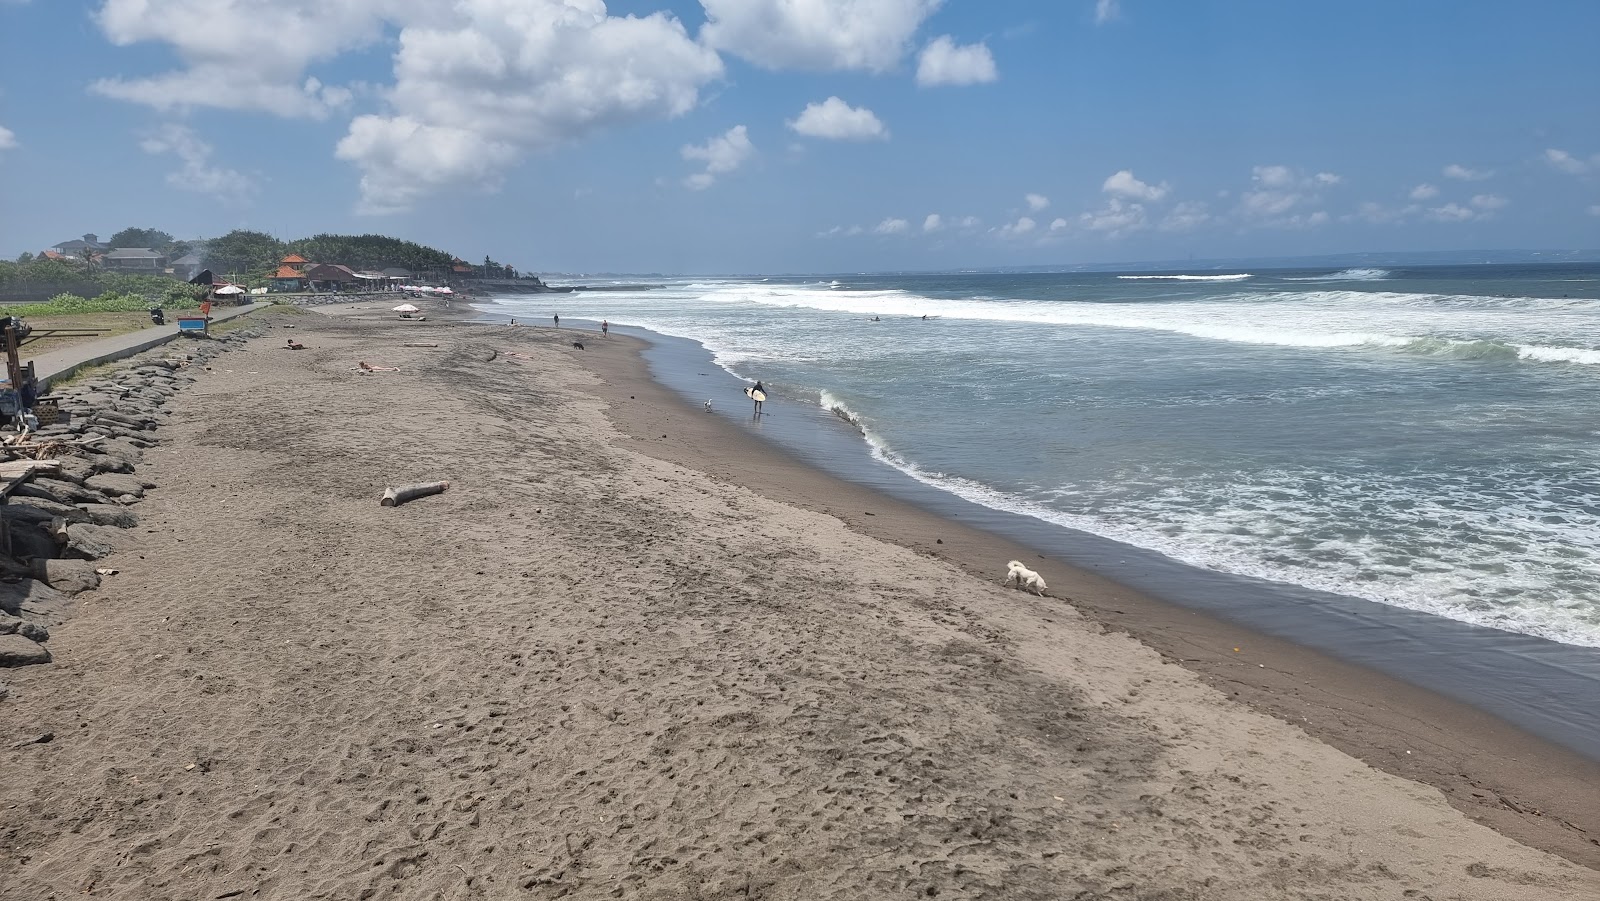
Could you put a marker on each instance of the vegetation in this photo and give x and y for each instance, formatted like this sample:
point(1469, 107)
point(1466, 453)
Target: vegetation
point(71, 305)
point(152, 238)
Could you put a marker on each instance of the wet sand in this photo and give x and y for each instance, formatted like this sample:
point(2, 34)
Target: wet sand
point(600, 665)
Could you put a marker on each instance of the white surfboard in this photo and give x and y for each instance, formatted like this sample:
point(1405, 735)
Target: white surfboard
point(757, 396)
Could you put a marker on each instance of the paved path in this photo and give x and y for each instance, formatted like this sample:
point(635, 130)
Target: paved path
point(64, 362)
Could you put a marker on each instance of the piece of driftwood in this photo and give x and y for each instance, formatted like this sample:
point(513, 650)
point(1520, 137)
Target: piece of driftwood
point(421, 344)
point(394, 497)
point(58, 530)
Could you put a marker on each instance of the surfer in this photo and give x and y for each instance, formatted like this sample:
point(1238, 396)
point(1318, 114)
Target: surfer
point(758, 395)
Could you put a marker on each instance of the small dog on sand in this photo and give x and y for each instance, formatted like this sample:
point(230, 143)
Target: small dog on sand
point(708, 406)
point(578, 344)
point(1025, 578)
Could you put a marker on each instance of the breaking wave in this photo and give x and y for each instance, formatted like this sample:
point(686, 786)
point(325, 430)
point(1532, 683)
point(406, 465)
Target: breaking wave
point(1238, 277)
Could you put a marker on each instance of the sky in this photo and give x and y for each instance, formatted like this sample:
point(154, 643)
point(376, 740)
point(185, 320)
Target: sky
point(777, 136)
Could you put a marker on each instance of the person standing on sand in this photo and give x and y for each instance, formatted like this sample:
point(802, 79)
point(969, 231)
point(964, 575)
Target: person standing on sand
point(605, 329)
point(558, 320)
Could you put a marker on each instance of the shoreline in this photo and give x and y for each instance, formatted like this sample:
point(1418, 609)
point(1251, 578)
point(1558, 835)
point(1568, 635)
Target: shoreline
point(1521, 784)
point(589, 670)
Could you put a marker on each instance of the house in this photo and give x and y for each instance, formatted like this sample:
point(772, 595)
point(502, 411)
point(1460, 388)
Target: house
point(331, 277)
point(397, 272)
point(134, 259)
point(186, 266)
point(296, 261)
point(288, 280)
point(90, 244)
point(460, 268)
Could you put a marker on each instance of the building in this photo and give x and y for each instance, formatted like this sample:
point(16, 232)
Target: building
point(397, 272)
point(288, 280)
point(331, 277)
point(186, 266)
point(296, 262)
point(134, 259)
point(81, 249)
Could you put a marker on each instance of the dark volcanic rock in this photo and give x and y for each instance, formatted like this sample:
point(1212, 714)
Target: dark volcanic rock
point(70, 576)
point(18, 651)
point(12, 625)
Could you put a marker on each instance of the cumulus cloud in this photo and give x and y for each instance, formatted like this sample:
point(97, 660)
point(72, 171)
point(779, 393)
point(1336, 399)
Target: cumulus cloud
point(892, 227)
point(230, 60)
point(1452, 212)
point(8, 138)
point(492, 80)
point(1570, 164)
point(1119, 217)
point(722, 153)
point(942, 62)
point(844, 230)
point(196, 172)
point(1279, 191)
point(1488, 202)
point(1424, 192)
point(1123, 184)
point(815, 34)
point(1058, 224)
point(1462, 173)
point(1106, 10)
point(1024, 225)
point(1037, 202)
point(836, 120)
point(933, 223)
point(1185, 216)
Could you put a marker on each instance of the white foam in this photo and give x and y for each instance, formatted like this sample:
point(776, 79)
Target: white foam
point(1345, 275)
point(1235, 277)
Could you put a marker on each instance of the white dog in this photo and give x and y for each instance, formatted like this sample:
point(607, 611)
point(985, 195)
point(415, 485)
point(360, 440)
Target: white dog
point(1025, 578)
point(708, 406)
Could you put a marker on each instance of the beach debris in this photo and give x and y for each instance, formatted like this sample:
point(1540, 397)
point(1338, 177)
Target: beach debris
point(394, 497)
point(422, 344)
point(364, 366)
point(42, 738)
point(106, 571)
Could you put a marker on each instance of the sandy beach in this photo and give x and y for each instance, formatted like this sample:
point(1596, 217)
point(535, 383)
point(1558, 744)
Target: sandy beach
point(632, 652)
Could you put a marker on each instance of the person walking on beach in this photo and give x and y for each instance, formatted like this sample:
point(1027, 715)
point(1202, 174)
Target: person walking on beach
point(605, 329)
point(558, 320)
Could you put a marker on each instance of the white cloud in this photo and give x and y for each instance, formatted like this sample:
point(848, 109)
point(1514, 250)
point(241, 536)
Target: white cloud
point(1462, 173)
point(1024, 225)
point(970, 222)
point(1037, 202)
point(240, 54)
point(933, 223)
point(1424, 192)
point(892, 227)
point(1452, 212)
point(8, 138)
point(1106, 10)
point(196, 173)
point(1123, 184)
point(1186, 216)
point(1488, 202)
point(839, 121)
point(1119, 217)
point(1278, 191)
point(943, 62)
point(1570, 164)
point(815, 34)
point(722, 153)
point(1058, 224)
point(490, 80)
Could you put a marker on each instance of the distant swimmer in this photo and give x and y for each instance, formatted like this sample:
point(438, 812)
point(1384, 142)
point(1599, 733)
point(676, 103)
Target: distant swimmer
point(874, 319)
point(924, 317)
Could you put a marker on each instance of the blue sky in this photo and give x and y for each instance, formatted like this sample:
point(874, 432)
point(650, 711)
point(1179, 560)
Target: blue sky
point(808, 135)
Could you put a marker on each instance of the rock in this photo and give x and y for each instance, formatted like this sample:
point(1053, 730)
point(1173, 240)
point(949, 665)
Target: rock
point(120, 447)
point(56, 490)
point(18, 651)
point(35, 600)
point(107, 515)
point(90, 542)
point(12, 625)
point(38, 510)
point(31, 540)
point(70, 576)
point(116, 485)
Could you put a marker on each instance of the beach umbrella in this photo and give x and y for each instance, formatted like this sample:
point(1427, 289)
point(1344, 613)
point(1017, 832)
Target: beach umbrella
point(406, 308)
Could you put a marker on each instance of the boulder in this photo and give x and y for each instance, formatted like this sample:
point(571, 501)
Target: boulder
point(59, 490)
point(90, 542)
point(30, 540)
point(70, 576)
point(116, 485)
point(12, 625)
point(107, 515)
point(18, 651)
point(37, 509)
point(34, 600)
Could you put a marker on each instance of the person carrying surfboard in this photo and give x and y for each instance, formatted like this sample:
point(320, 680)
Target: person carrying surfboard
point(758, 394)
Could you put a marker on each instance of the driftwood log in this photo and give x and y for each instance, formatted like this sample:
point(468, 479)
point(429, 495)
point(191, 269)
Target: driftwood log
point(394, 497)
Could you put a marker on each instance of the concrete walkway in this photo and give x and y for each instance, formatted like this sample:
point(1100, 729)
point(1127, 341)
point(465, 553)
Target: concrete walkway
point(59, 364)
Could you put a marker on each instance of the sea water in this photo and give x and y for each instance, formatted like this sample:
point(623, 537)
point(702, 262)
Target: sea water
point(1425, 438)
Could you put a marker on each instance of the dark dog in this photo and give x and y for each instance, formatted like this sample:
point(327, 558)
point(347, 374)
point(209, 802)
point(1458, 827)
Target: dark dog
point(578, 344)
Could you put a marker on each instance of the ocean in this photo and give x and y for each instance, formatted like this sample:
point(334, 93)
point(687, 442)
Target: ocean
point(1421, 437)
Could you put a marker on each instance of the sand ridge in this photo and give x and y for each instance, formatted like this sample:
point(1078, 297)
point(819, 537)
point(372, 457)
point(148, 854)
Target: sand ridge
point(587, 672)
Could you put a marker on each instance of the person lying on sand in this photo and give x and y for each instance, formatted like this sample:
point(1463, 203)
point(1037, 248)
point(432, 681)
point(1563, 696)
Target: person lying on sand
point(294, 345)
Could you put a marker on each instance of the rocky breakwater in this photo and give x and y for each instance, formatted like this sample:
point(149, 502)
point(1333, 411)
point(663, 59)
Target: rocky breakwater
point(84, 488)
